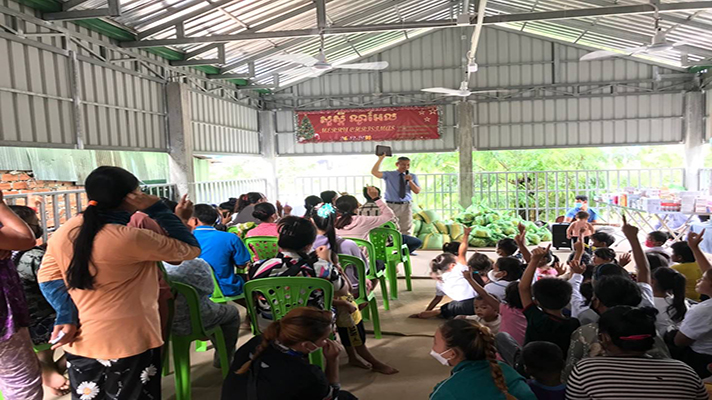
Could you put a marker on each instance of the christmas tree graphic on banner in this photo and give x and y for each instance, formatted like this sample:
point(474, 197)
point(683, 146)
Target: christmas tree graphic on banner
point(305, 131)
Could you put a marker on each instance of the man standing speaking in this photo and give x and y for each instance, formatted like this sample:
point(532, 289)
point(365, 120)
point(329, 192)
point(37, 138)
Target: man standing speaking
point(400, 186)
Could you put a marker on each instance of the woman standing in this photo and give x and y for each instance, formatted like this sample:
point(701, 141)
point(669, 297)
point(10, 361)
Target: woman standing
point(20, 377)
point(109, 271)
point(469, 348)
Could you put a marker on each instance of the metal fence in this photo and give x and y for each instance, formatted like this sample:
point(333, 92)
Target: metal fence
point(221, 191)
point(55, 208)
point(441, 195)
point(534, 195)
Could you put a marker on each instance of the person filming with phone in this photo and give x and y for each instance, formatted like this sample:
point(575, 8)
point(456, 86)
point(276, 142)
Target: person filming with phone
point(400, 186)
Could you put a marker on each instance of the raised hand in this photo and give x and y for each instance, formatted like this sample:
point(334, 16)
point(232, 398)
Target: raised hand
point(541, 252)
point(629, 231)
point(372, 192)
point(579, 246)
point(560, 269)
point(184, 209)
point(140, 200)
point(694, 238)
point(625, 259)
point(577, 267)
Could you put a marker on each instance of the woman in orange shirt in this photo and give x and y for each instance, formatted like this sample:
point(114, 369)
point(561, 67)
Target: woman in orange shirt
point(109, 272)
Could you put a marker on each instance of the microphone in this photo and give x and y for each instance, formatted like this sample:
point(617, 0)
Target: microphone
point(407, 172)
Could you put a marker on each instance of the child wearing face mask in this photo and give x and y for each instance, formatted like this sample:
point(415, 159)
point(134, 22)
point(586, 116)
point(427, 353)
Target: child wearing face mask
point(469, 348)
point(655, 241)
point(505, 271)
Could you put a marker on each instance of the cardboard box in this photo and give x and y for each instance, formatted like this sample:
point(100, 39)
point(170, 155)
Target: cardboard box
point(651, 205)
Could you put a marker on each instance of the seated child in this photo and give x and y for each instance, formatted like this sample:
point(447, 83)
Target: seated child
point(486, 315)
point(543, 304)
point(543, 361)
point(602, 239)
point(580, 229)
point(655, 242)
point(508, 247)
point(604, 256)
point(511, 319)
point(506, 270)
point(448, 269)
point(686, 264)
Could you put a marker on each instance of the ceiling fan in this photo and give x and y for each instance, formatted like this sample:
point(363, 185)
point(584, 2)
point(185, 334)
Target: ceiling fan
point(319, 65)
point(658, 45)
point(463, 91)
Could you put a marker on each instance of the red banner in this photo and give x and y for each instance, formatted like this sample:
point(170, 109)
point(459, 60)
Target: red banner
point(372, 124)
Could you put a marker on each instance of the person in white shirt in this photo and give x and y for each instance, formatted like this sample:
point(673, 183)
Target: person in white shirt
point(447, 269)
point(669, 298)
point(694, 339)
point(506, 270)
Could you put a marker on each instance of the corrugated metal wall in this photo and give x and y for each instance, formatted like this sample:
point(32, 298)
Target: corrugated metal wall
point(222, 126)
point(287, 144)
point(600, 116)
point(708, 113)
point(35, 99)
point(122, 95)
point(122, 102)
point(597, 121)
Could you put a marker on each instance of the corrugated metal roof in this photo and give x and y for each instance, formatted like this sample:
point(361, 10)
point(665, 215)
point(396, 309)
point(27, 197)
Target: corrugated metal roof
point(616, 32)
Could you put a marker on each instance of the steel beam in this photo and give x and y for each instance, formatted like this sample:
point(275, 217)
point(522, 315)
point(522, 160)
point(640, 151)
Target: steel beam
point(206, 61)
point(352, 18)
point(494, 19)
point(184, 17)
point(113, 10)
point(71, 4)
point(320, 14)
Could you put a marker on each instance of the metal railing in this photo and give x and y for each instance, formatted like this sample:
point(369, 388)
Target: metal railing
point(55, 208)
point(442, 194)
point(221, 191)
point(534, 195)
point(704, 178)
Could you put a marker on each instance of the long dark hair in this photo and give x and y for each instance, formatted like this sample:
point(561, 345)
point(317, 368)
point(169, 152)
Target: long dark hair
point(309, 203)
point(247, 199)
point(326, 224)
point(295, 234)
point(670, 281)
point(303, 324)
point(630, 328)
point(346, 206)
point(476, 342)
point(107, 186)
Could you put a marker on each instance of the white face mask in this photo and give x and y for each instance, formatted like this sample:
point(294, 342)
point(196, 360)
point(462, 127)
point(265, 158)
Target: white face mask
point(492, 276)
point(439, 356)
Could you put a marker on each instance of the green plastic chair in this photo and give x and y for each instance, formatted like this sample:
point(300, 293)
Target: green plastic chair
point(392, 255)
point(284, 294)
point(220, 298)
point(181, 344)
point(373, 272)
point(262, 247)
point(390, 225)
point(363, 295)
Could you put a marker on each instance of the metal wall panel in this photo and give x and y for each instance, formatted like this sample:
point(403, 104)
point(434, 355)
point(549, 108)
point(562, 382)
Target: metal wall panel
point(600, 121)
point(287, 143)
point(708, 113)
point(603, 115)
point(223, 127)
point(121, 110)
point(35, 99)
point(505, 59)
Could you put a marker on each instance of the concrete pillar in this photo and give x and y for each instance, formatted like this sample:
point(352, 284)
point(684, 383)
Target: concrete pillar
point(694, 129)
point(466, 137)
point(269, 152)
point(180, 139)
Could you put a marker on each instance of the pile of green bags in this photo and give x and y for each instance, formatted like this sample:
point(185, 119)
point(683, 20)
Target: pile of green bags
point(488, 227)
